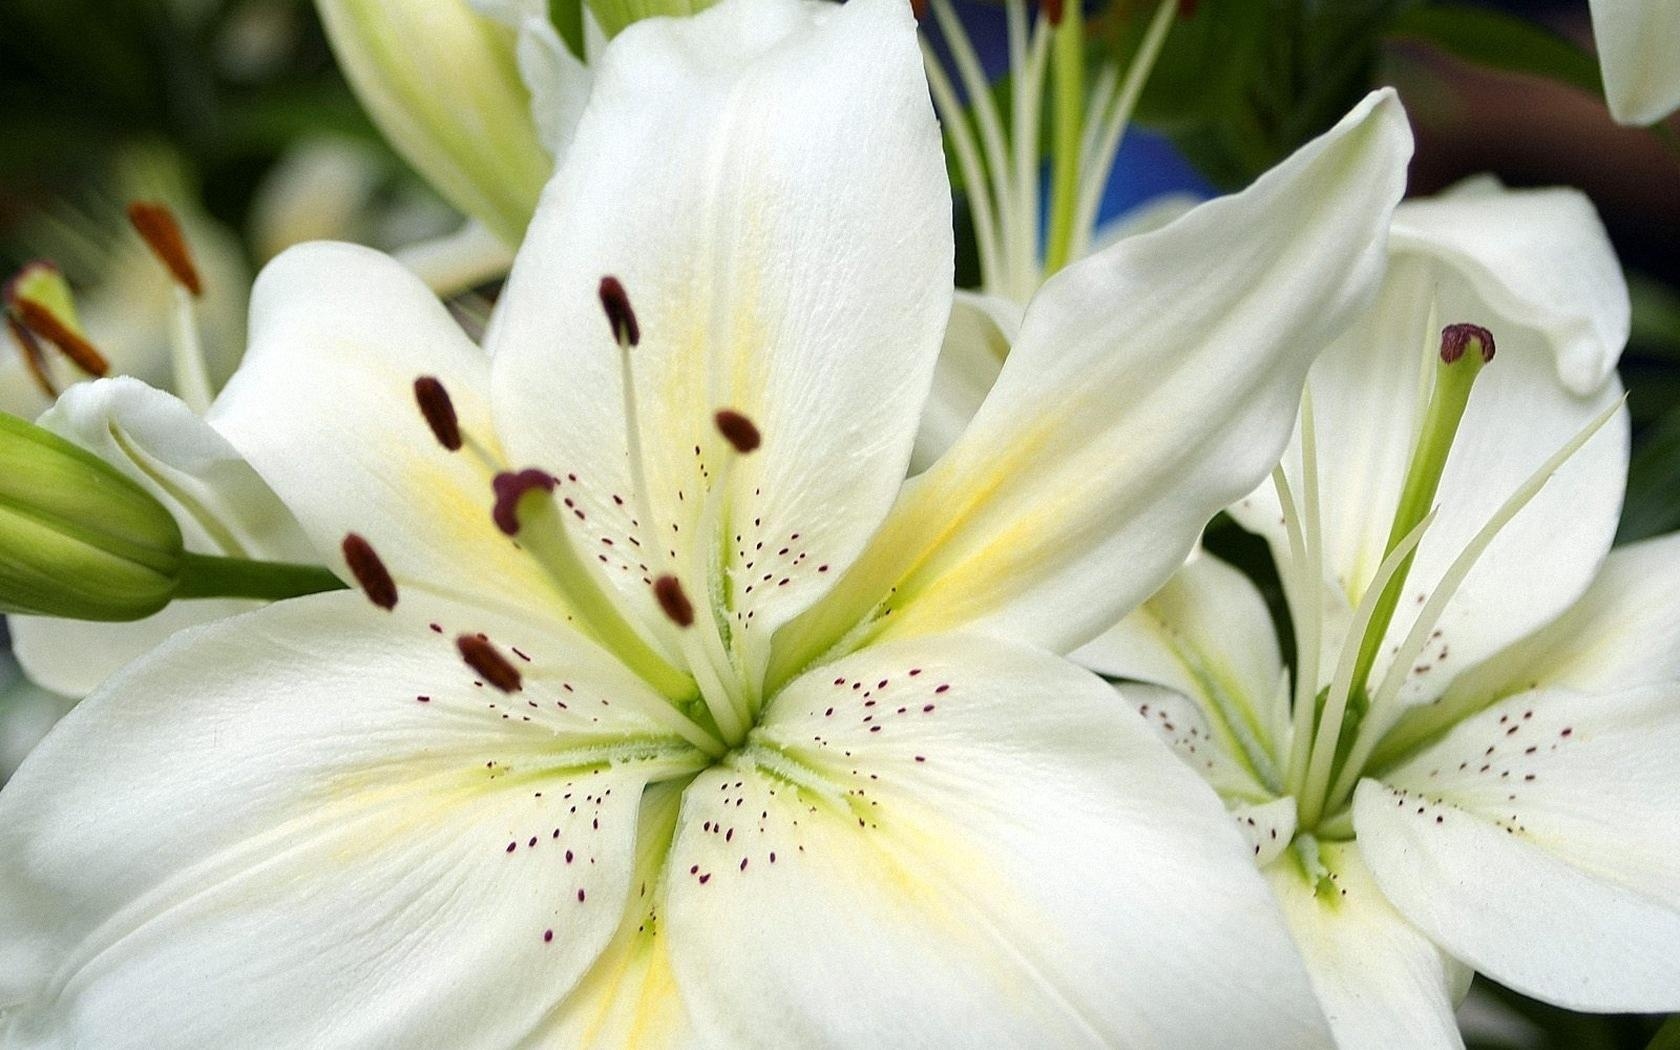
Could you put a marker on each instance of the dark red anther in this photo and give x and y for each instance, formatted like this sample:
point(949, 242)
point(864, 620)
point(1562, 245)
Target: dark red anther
point(738, 430)
point(669, 591)
point(489, 663)
point(616, 302)
point(1053, 10)
point(157, 227)
point(1455, 339)
point(510, 488)
point(439, 411)
point(370, 573)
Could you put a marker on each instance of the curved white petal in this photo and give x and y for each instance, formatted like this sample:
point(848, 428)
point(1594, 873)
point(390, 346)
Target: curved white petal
point(1537, 258)
point(1381, 983)
point(310, 827)
point(1368, 392)
point(222, 506)
point(1624, 631)
point(1208, 634)
point(765, 179)
point(976, 342)
point(1539, 841)
point(1186, 726)
point(1150, 384)
point(1639, 53)
point(324, 408)
point(956, 842)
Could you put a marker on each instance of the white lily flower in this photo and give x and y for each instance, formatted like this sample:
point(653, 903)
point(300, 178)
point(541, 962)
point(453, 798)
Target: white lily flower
point(1639, 55)
point(1497, 793)
point(738, 741)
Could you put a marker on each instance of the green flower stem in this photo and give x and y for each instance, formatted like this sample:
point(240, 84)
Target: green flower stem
point(1453, 382)
point(1069, 58)
point(209, 576)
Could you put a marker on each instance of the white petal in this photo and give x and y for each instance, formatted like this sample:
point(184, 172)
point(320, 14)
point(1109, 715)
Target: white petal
point(1149, 383)
point(223, 508)
point(26, 713)
point(1639, 53)
point(1539, 841)
point(309, 823)
point(324, 408)
point(1542, 387)
point(1624, 631)
point(557, 79)
point(969, 848)
point(1538, 258)
point(1382, 983)
point(976, 342)
point(1186, 727)
point(766, 181)
point(1208, 634)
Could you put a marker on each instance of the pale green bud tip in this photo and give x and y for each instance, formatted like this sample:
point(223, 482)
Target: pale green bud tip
point(79, 539)
point(40, 312)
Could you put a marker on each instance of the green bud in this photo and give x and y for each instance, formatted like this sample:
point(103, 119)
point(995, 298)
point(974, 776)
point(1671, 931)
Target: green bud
point(77, 538)
point(442, 83)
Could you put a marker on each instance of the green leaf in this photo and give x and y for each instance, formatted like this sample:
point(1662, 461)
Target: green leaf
point(1653, 479)
point(1500, 41)
point(1668, 1036)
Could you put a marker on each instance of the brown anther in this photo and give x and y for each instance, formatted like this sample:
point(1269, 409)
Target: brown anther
point(738, 430)
point(34, 358)
point(620, 316)
point(675, 603)
point(1187, 8)
point(370, 573)
point(439, 412)
point(510, 487)
point(46, 324)
point(1456, 339)
point(156, 225)
point(1054, 10)
point(490, 664)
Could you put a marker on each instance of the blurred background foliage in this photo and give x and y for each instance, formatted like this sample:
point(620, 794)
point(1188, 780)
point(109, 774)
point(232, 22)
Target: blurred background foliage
point(240, 106)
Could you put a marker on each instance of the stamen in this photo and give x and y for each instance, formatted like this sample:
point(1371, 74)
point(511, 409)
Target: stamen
point(157, 227)
point(370, 573)
point(620, 316)
point(1053, 10)
point(34, 358)
point(738, 430)
point(673, 601)
point(38, 300)
point(490, 664)
point(439, 411)
point(510, 488)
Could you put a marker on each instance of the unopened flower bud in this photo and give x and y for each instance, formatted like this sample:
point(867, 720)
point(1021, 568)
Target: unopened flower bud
point(78, 539)
point(442, 83)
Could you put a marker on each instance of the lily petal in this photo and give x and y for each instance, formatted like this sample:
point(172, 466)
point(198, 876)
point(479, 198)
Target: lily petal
point(976, 341)
point(1624, 631)
point(970, 848)
point(327, 835)
point(1381, 982)
point(1639, 53)
point(790, 262)
point(222, 506)
point(558, 80)
point(1149, 382)
point(1539, 841)
point(1548, 380)
point(1208, 634)
point(324, 408)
